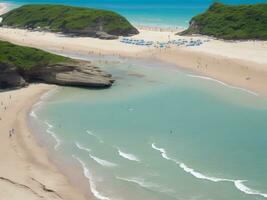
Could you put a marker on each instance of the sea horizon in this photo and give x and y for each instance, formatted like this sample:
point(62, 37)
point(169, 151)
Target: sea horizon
point(163, 14)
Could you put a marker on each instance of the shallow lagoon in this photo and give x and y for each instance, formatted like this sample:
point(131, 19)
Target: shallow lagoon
point(161, 133)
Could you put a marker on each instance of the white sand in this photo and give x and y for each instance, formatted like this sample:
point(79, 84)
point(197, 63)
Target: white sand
point(239, 63)
point(25, 170)
point(242, 64)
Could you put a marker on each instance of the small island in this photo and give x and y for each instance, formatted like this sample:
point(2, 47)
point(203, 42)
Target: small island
point(20, 66)
point(69, 20)
point(231, 22)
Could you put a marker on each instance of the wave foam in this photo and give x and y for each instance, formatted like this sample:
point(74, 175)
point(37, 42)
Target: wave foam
point(48, 130)
point(238, 183)
point(34, 108)
point(92, 134)
point(223, 83)
point(89, 176)
point(147, 185)
point(81, 147)
point(33, 114)
point(128, 156)
point(139, 181)
point(103, 162)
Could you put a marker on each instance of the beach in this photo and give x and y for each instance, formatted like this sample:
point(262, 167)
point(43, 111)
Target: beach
point(25, 170)
point(239, 63)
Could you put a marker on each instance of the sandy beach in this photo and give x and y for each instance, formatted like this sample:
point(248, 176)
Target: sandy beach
point(25, 170)
point(239, 63)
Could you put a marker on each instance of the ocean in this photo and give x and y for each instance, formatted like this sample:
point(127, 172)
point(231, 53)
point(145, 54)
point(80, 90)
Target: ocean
point(160, 134)
point(163, 13)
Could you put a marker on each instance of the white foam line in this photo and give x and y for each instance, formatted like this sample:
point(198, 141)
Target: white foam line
point(89, 176)
point(238, 183)
point(92, 134)
point(139, 181)
point(223, 83)
point(128, 156)
point(48, 130)
point(58, 142)
point(48, 124)
point(81, 147)
point(103, 162)
point(34, 108)
point(148, 185)
point(33, 114)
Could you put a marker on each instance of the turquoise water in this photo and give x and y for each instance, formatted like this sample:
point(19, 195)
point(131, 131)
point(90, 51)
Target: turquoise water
point(167, 13)
point(161, 134)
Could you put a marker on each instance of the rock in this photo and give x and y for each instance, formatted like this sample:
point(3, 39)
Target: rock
point(105, 36)
point(76, 73)
point(9, 78)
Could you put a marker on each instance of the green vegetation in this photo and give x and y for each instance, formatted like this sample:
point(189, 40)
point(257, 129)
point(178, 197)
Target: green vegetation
point(26, 58)
point(231, 22)
point(69, 20)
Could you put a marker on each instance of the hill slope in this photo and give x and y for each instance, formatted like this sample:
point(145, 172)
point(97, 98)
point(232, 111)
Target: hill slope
point(21, 65)
point(231, 22)
point(70, 20)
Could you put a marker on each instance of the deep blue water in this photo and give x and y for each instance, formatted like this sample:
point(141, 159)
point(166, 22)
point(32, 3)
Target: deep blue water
point(165, 13)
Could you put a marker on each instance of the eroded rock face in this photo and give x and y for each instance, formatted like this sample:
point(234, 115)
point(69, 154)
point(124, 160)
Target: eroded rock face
point(10, 78)
point(75, 73)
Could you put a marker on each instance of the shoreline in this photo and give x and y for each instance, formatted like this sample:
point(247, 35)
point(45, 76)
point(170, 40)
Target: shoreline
point(38, 172)
point(26, 172)
point(241, 64)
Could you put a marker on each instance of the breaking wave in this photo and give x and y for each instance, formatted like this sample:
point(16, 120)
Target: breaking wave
point(223, 83)
point(103, 162)
point(147, 185)
point(128, 156)
point(238, 183)
point(139, 181)
point(81, 147)
point(49, 130)
point(89, 176)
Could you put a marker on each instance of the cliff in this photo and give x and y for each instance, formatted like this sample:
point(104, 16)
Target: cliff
point(20, 66)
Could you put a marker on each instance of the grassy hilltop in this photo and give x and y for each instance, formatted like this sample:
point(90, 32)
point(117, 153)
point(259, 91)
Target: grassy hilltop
point(231, 22)
point(26, 58)
point(69, 20)
point(21, 65)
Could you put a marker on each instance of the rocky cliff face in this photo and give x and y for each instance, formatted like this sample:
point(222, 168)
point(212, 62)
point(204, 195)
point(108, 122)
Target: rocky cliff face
point(75, 73)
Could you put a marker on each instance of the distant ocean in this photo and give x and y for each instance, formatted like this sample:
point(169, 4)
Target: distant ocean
point(164, 13)
point(159, 134)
